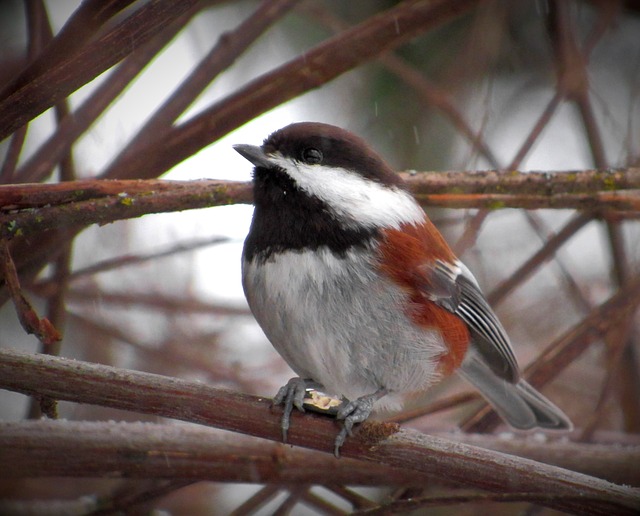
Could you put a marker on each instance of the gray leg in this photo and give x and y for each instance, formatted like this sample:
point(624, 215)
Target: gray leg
point(355, 412)
point(292, 395)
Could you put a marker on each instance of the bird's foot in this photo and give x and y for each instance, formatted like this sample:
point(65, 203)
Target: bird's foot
point(292, 395)
point(354, 412)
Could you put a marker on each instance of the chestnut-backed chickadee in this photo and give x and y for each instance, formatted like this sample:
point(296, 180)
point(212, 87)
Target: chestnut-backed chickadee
point(359, 292)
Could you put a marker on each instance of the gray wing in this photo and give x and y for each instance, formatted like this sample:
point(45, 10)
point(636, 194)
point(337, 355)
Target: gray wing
point(452, 286)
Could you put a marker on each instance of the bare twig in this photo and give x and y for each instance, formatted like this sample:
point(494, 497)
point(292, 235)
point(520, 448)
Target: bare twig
point(617, 340)
point(133, 259)
point(117, 503)
point(421, 503)
point(423, 184)
point(29, 318)
point(39, 165)
point(35, 13)
point(566, 273)
point(79, 28)
point(321, 64)
point(154, 197)
point(262, 497)
point(106, 201)
point(155, 301)
point(545, 253)
point(429, 92)
point(323, 506)
point(77, 66)
point(230, 45)
point(355, 499)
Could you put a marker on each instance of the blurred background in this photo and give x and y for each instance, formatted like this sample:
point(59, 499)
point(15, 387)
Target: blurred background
point(528, 85)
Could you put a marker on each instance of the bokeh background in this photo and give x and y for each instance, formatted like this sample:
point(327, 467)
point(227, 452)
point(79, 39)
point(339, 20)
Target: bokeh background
point(526, 85)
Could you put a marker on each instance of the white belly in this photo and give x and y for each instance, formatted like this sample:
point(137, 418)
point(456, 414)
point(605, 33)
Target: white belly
point(338, 322)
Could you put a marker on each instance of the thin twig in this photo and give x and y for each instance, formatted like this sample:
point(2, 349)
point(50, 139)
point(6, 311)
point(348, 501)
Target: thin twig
point(575, 292)
point(259, 499)
point(421, 503)
point(428, 91)
point(617, 340)
point(229, 47)
point(79, 28)
point(356, 500)
point(382, 32)
point(290, 501)
point(61, 77)
point(117, 504)
point(128, 260)
point(28, 317)
point(497, 295)
point(37, 167)
point(323, 506)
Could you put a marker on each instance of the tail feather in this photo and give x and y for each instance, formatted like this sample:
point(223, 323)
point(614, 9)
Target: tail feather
point(518, 404)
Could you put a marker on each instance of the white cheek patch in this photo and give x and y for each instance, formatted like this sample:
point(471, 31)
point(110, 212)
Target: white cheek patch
point(358, 200)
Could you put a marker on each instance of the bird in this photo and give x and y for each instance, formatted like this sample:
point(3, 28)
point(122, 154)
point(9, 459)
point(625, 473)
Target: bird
point(358, 291)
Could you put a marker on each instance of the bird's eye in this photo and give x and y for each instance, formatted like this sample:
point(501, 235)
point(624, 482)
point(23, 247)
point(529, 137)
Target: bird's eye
point(311, 156)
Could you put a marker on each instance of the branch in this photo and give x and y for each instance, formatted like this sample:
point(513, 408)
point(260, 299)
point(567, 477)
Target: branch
point(102, 202)
point(586, 189)
point(81, 203)
point(228, 48)
point(29, 319)
point(381, 443)
point(77, 30)
point(39, 165)
point(147, 450)
point(323, 63)
point(74, 68)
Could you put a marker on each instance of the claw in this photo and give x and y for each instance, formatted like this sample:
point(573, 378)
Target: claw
point(291, 395)
point(354, 412)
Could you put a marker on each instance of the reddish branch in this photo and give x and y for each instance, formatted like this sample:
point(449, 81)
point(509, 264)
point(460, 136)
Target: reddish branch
point(103, 202)
point(321, 64)
point(39, 166)
point(79, 28)
point(229, 47)
point(77, 66)
point(27, 315)
point(93, 201)
point(381, 443)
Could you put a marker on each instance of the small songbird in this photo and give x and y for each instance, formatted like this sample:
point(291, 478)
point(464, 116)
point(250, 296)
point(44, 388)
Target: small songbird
point(359, 292)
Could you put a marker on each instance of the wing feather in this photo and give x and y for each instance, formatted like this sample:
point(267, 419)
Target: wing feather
point(453, 287)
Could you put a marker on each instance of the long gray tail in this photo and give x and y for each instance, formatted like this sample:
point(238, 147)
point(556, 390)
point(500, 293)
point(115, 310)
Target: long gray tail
point(518, 404)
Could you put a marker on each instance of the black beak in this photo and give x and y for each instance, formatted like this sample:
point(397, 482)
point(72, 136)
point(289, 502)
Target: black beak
point(254, 154)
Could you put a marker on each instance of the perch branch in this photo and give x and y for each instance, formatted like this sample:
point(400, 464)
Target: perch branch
point(381, 443)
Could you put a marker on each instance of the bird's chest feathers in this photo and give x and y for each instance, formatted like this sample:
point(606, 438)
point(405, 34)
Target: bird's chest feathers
point(306, 285)
point(336, 319)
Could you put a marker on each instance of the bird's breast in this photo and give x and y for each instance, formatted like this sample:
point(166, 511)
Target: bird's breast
point(336, 319)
